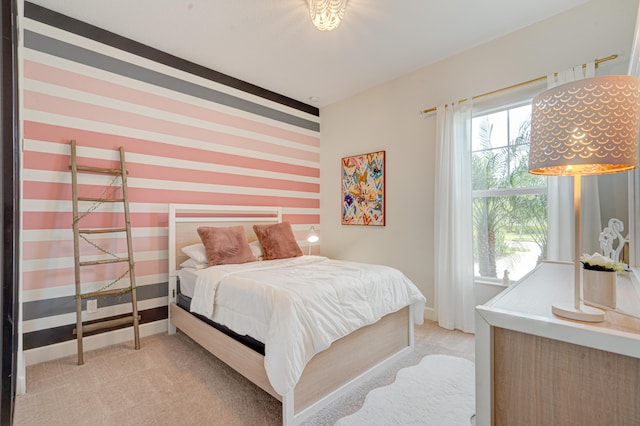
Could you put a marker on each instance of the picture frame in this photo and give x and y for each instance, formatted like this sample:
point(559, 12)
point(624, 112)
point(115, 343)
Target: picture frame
point(363, 189)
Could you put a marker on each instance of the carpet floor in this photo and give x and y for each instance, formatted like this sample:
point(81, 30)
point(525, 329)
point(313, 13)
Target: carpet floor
point(173, 381)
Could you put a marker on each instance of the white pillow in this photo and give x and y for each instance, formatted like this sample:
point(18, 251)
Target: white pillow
point(197, 252)
point(190, 263)
point(256, 249)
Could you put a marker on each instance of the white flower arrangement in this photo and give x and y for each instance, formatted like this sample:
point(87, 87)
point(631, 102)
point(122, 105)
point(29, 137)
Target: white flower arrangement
point(598, 262)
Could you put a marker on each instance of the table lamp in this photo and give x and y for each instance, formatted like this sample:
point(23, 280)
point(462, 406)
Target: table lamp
point(312, 237)
point(585, 127)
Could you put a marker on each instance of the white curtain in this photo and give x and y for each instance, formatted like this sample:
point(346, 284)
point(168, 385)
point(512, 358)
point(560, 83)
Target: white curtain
point(455, 299)
point(560, 196)
point(634, 177)
point(634, 61)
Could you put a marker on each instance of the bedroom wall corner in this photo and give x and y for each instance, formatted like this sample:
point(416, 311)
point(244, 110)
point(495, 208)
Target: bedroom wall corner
point(387, 117)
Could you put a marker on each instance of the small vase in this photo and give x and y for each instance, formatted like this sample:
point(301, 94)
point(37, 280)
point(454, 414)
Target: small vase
point(599, 287)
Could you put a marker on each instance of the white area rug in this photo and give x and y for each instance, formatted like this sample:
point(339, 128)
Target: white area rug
point(440, 390)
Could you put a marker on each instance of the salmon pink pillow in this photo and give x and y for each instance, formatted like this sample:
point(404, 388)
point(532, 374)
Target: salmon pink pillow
point(277, 241)
point(226, 245)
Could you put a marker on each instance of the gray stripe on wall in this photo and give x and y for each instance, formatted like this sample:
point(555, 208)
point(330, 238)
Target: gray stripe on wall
point(51, 46)
point(65, 305)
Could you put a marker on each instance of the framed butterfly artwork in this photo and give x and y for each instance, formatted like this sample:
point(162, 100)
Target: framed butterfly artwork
point(363, 186)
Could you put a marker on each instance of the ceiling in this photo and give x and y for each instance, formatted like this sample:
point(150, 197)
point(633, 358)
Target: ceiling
point(272, 43)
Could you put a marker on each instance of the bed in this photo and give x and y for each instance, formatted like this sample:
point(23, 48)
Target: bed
point(304, 367)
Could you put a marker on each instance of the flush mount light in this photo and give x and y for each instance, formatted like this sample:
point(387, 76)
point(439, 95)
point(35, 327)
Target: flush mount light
point(327, 14)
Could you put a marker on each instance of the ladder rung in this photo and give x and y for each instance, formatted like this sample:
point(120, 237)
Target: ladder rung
point(101, 231)
point(104, 293)
point(104, 261)
point(102, 170)
point(102, 200)
point(106, 324)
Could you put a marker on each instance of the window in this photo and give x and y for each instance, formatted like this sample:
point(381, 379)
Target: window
point(509, 203)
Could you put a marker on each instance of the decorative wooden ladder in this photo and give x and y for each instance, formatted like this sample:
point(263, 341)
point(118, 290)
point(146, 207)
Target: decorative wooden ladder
point(79, 233)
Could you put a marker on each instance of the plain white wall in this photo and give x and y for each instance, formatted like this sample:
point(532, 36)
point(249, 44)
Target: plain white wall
point(387, 117)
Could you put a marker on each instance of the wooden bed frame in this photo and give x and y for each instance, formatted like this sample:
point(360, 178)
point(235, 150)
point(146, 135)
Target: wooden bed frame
point(330, 373)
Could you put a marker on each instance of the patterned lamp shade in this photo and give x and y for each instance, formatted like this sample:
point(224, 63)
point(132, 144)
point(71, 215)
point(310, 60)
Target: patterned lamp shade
point(586, 127)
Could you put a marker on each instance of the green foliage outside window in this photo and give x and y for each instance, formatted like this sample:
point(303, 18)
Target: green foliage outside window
point(505, 214)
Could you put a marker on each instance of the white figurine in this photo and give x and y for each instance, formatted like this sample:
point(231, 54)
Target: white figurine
point(505, 278)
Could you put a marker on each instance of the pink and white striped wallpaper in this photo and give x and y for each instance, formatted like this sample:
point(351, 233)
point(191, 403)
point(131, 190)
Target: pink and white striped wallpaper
point(188, 139)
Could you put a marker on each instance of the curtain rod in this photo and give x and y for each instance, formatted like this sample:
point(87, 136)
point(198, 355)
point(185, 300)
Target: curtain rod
point(524, 83)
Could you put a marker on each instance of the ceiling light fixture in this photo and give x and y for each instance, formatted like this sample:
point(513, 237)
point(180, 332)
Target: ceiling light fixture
point(327, 14)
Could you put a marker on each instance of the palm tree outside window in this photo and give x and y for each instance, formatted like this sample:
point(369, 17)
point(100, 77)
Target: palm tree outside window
point(509, 204)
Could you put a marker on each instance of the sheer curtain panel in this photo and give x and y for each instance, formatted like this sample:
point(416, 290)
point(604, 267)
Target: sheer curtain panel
point(634, 177)
point(455, 299)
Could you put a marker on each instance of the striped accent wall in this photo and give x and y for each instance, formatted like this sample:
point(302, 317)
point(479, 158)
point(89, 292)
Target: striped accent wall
point(191, 135)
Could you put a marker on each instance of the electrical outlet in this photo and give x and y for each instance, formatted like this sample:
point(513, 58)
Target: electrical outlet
point(92, 306)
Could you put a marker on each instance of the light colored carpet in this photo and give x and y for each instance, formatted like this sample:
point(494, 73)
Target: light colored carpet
point(173, 381)
point(440, 391)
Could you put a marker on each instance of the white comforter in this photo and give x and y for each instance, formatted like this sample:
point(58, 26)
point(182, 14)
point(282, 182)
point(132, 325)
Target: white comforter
point(297, 307)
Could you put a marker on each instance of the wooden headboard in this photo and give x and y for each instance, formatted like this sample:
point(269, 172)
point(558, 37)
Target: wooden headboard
point(184, 220)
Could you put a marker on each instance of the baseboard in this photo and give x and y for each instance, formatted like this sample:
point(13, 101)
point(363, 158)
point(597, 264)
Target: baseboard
point(430, 314)
point(68, 348)
point(21, 379)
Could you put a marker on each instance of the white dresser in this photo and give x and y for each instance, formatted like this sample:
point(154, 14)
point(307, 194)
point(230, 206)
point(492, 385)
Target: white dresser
point(533, 368)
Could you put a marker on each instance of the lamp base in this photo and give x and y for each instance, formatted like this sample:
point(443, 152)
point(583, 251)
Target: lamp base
point(584, 313)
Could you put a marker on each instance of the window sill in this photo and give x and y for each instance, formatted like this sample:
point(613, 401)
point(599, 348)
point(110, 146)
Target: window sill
point(488, 282)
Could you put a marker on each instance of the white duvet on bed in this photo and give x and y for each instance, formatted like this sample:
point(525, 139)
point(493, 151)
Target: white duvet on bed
point(297, 307)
